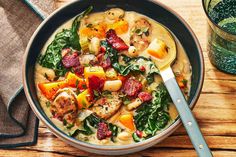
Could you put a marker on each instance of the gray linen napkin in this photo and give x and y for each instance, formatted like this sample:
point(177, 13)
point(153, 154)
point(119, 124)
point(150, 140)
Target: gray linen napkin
point(18, 124)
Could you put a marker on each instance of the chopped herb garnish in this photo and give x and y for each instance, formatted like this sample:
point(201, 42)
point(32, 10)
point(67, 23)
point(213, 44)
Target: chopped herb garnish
point(56, 78)
point(78, 92)
point(107, 94)
point(76, 83)
point(185, 82)
point(48, 104)
point(64, 122)
point(106, 56)
point(90, 25)
point(87, 65)
point(126, 102)
point(46, 76)
point(69, 126)
point(84, 86)
point(138, 31)
point(84, 104)
point(96, 93)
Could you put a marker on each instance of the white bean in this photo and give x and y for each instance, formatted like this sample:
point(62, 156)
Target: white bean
point(124, 136)
point(113, 85)
point(134, 104)
point(132, 52)
point(94, 45)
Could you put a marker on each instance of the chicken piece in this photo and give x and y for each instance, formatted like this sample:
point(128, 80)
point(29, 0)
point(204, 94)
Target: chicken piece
point(64, 106)
point(140, 34)
point(105, 107)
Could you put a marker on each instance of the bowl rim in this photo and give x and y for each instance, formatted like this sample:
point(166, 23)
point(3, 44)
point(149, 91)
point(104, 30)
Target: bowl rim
point(166, 132)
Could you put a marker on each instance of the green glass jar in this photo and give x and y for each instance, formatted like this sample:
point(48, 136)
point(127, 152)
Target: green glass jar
point(222, 33)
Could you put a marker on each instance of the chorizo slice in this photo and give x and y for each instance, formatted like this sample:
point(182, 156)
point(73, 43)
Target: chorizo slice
point(132, 87)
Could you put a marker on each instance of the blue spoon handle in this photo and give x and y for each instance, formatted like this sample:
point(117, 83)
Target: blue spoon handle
point(185, 113)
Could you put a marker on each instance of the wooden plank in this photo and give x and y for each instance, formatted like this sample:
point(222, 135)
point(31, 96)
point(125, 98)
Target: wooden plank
point(215, 142)
point(155, 152)
point(219, 86)
point(212, 129)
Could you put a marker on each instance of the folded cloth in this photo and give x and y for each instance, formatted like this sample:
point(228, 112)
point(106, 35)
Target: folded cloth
point(18, 124)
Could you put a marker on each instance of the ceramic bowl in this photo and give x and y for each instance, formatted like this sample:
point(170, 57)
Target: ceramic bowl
point(154, 10)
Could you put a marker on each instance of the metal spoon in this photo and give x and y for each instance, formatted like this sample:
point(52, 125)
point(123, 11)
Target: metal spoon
point(190, 124)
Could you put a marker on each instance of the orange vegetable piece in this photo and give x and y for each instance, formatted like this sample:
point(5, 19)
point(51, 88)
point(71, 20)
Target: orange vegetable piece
point(49, 89)
point(98, 31)
point(180, 79)
point(127, 120)
point(157, 48)
point(74, 81)
point(157, 54)
point(120, 26)
point(82, 99)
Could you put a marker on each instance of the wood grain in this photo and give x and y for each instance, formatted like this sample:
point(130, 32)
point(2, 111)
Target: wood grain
point(215, 110)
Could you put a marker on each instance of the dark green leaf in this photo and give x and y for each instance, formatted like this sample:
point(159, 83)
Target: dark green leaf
point(92, 121)
point(67, 38)
point(48, 104)
point(136, 138)
point(153, 116)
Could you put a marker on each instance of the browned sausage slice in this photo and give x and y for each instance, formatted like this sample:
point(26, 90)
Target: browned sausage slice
point(140, 34)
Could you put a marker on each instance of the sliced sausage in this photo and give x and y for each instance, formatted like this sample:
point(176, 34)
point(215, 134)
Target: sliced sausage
point(71, 60)
point(140, 34)
point(116, 42)
point(144, 96)
point(104, 61)
point(103, 131)
point(132, 87)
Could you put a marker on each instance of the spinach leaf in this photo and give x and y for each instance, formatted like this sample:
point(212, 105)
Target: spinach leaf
point(153, 116)
point(136, 138)
point(132, 64)
point(67, 38)
point(112, 54)
point(92, 121)
point(114, 129)
point(126, 59)
point(150, 68)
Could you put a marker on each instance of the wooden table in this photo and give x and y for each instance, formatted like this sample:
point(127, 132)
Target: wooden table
point(215, 110)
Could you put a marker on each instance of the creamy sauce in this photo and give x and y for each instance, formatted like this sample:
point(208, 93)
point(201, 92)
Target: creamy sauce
point(181, 65)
